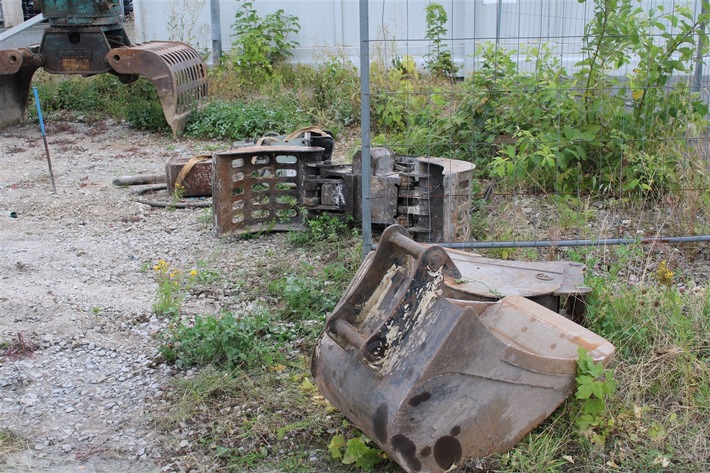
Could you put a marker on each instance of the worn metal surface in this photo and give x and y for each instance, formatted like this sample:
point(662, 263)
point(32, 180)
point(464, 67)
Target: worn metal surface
point(550, 284)
point(71, 13)
point(17, 66)
point(432, 381)
point(258, 188)
point(429, 196)
point(197, 183)
point(75, 51)
point(175, 69)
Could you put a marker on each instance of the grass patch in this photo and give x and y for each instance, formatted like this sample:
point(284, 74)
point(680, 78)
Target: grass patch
point(246, 119)
point(102, 96)
point(271, 419)
point(230, 341)
point(9, 444)
point(256, 408)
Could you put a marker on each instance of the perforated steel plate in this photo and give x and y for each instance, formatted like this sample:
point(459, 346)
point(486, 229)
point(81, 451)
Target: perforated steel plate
point(259, 188)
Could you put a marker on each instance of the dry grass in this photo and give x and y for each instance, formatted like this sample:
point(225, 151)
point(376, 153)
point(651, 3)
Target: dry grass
point(9, 444)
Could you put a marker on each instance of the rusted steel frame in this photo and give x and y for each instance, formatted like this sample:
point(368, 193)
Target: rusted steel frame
point(176, 70)
point(261, 188)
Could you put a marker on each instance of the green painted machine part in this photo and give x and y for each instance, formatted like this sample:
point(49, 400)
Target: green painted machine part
point(86, 37)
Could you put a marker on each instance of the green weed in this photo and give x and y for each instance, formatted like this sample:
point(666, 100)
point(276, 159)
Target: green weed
point(245, 341)
point(356, 451)
point(594, 385)
point(261, 42)
point(246, 119)
point(309, 294)
point(171, 291)
point(439, 59)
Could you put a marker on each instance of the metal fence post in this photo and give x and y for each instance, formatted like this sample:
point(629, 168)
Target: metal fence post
point(365, 123)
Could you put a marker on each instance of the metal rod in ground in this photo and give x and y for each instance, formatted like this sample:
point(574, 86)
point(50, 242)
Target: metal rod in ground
point(561, 243)
point(44, 138)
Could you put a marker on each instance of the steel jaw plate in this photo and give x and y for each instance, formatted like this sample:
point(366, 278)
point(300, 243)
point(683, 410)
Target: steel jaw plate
point(261, 188)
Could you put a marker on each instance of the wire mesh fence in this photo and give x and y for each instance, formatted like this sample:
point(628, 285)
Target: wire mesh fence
point(585, 121)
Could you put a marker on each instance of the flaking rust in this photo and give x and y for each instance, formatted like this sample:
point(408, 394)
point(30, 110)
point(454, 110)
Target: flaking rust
point(435, 380)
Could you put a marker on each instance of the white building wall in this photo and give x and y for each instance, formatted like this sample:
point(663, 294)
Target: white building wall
point(12, 12)
point(329, 26)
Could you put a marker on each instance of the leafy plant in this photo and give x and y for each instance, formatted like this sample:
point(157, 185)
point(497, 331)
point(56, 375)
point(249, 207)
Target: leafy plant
point(594, 384)
point(439, 59)
point(171, 288)
point(242, 120)
point(307, 296)
point(355, 451)
point(565, 142)
point(249, 341)
point(261, 42)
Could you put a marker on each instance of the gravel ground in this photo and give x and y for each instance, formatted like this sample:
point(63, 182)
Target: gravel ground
point(78, 379)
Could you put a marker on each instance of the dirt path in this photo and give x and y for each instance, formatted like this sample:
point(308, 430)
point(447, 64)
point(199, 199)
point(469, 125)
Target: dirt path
point(78, 380)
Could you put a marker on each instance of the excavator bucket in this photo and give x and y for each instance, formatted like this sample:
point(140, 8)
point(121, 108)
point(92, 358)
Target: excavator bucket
point(175, 69)
point(435, 380)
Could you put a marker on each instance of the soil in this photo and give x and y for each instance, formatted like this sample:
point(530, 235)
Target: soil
point(78, 379)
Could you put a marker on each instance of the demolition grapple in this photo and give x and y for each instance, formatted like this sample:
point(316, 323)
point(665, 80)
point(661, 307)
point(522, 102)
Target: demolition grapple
point(87, 37)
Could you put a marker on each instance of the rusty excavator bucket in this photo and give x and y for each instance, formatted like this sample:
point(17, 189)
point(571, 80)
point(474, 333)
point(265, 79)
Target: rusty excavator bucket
point(86, 37)
point(175, 69)
point(434, 378)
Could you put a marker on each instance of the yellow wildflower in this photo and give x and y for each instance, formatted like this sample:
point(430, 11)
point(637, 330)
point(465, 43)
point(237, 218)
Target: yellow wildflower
point(664, 275)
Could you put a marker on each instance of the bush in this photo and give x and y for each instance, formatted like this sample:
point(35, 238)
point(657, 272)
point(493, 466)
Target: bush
point(242, 120)
point(261, 42)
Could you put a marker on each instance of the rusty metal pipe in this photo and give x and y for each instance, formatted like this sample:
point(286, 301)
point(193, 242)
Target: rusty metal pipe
point(139, 180)
point(346, 330)
point(573, 243)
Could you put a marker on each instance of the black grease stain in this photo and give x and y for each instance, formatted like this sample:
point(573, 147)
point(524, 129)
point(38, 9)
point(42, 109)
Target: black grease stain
point(422, 347)
point(419, 398)
point(408, 450)
point(456, 430)
point(447, 451)
point(425, 452)
point(379, 423)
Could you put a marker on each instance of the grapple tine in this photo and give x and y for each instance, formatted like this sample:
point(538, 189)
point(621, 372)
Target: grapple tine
point(17, 66)
point(176, 70)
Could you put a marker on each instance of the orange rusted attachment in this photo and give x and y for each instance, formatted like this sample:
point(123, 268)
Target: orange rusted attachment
point(176, 70)
point(17, 66)
point(435, 380)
